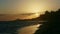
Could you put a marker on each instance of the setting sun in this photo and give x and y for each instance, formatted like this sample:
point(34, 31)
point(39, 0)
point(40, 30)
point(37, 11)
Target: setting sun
point(37, 14)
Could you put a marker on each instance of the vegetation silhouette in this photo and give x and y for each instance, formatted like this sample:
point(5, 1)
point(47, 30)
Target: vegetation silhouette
point(52, 26)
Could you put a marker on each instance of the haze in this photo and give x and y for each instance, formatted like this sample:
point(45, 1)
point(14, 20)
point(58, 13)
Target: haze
point(11, 9)
point(27, 6)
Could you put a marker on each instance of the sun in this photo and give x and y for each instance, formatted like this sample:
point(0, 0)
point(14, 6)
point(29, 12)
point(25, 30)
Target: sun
point(37, 14)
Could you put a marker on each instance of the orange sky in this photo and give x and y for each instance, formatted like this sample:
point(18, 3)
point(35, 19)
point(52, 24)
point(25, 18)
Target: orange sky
point(14, 17)
point(26, 6)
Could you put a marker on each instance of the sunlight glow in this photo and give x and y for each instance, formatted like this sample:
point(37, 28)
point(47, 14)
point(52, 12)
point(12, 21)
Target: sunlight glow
point(34, 8)
point(28, 29)
point(37, 14)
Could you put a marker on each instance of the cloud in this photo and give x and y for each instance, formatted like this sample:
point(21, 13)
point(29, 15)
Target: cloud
point(9, 17)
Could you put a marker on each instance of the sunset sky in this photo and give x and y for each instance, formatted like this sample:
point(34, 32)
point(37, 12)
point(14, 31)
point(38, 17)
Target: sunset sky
point(24, 9)
point(26, 6)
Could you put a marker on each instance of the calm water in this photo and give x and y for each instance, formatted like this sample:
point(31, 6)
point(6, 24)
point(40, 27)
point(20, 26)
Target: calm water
point(28, 29)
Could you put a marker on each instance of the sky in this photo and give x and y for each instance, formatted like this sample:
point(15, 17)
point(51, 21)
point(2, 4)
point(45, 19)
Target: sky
point(8, 17)
point(12, 9)
point(27, 6)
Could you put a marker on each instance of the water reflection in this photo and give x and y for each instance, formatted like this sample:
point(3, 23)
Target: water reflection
point(28, 29)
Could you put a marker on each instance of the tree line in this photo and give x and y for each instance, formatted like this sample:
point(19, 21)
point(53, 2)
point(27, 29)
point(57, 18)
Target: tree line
point(52, 26)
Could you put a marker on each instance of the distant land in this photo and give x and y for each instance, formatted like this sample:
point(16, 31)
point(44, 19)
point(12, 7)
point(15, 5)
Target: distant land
point(7, 17)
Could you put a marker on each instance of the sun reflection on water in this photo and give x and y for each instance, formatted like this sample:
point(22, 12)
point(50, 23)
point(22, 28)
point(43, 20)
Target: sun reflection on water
point(28, 29)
